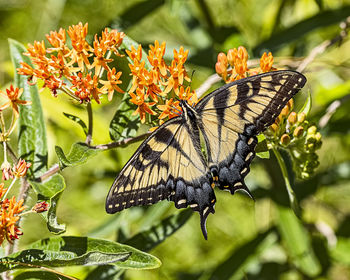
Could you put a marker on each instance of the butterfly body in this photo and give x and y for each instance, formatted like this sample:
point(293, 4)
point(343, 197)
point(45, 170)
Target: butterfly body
point(170, 163)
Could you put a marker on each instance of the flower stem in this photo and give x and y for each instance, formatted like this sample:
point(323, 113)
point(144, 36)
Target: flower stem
point(292, 198)
point(8, 189)
point(90, 120)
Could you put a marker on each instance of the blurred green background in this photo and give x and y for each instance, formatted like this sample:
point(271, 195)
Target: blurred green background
point(247, 239)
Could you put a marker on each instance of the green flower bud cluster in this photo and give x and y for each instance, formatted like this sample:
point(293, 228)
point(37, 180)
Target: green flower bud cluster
point(293, 133)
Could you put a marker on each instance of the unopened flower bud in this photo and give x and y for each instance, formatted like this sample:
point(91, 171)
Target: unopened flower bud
point(312, 130)
point(41, 207)
point(274, 127)
point(301, 117)
point(231, 56)
point(298, 131)
point(292, 118)
point(222, 58)
point(284, 111)
point(285, 139)
point(318, 137)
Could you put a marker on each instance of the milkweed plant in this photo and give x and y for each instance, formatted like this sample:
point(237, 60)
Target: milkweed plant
point(87, 72)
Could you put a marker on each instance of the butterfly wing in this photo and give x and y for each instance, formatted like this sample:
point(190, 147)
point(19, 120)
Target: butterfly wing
point(233, 115)
point(168, 165)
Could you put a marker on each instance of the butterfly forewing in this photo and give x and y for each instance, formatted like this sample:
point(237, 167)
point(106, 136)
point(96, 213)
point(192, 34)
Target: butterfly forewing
point(232, 116)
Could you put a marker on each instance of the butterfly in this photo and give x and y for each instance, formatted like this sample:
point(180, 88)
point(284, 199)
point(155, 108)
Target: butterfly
point(209, 145)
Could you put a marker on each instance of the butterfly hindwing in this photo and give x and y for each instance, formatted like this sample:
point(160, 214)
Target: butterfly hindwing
point(168, 165)
point(232, 116)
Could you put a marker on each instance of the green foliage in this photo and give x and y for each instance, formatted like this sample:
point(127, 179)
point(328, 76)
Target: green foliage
point(72, 250)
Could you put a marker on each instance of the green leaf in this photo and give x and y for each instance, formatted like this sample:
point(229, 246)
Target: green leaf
point(124, 123)
point(297, 242)
point(150, 238)
point(236, 263)
point(136, 13)
point(307, 105)
point(43, 275)
point(78, 121)
point(50, 191)
point(72, 250)
point(145, 241)
point(32, 132)
point(297, 31)
point(261, 150)
point(340, 253)
point(79, 154)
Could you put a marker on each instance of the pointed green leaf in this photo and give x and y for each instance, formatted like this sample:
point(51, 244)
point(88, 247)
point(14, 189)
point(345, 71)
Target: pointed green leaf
point(307, 105)
point(124, 123)
point(78, 121)
point(340, 252)
point(148, 239)
point(72, 250)
point(79, 154)
point(297, 242)
point(50, 191)
point(240, 258)
point(32, 132)
point(261, 150)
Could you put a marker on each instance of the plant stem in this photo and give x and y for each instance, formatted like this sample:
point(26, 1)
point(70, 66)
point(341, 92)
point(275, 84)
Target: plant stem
point(292, 198)
point(90, 120)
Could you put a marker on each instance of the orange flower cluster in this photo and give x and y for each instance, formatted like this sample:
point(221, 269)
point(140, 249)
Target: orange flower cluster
point(58, 64)
point(9, 215)
point(159, 83)
point(237, 60)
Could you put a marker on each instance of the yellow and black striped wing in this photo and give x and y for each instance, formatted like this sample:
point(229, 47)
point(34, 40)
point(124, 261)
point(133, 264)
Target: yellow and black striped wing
point(168, 165)
point(232, 116)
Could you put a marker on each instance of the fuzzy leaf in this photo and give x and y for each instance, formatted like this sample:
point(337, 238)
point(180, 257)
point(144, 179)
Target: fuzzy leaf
point(72, 250)
point(78, 121)
point(50, 191)
point(32, 132)
point(79, 154)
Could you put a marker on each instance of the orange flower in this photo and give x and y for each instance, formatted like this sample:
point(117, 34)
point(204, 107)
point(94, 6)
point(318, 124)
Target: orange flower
point(155, 57)
point(81, 49)
point(113, 39)
point(188, 95)
point(2, 190)
point(112, 84)
point(135, 54)
point(266, 62)
point(100, 49)
point(9, 210)
point(12, 95)
point(170, 109)
point(181, 56)
point(58, 41)
point(143, 107)
point(20, 169)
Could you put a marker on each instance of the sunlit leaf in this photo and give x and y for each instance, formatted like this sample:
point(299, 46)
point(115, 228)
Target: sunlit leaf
point(297, 242)
point(71, 250)
point(50, 191)
point(79, 153)
point(32, 132)
point(78, 121)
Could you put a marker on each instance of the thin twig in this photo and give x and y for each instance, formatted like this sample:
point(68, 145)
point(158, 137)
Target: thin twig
point(324, 45)
point(53, 170)
point(90, 120)
point(120, 143)
point(331, 110)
